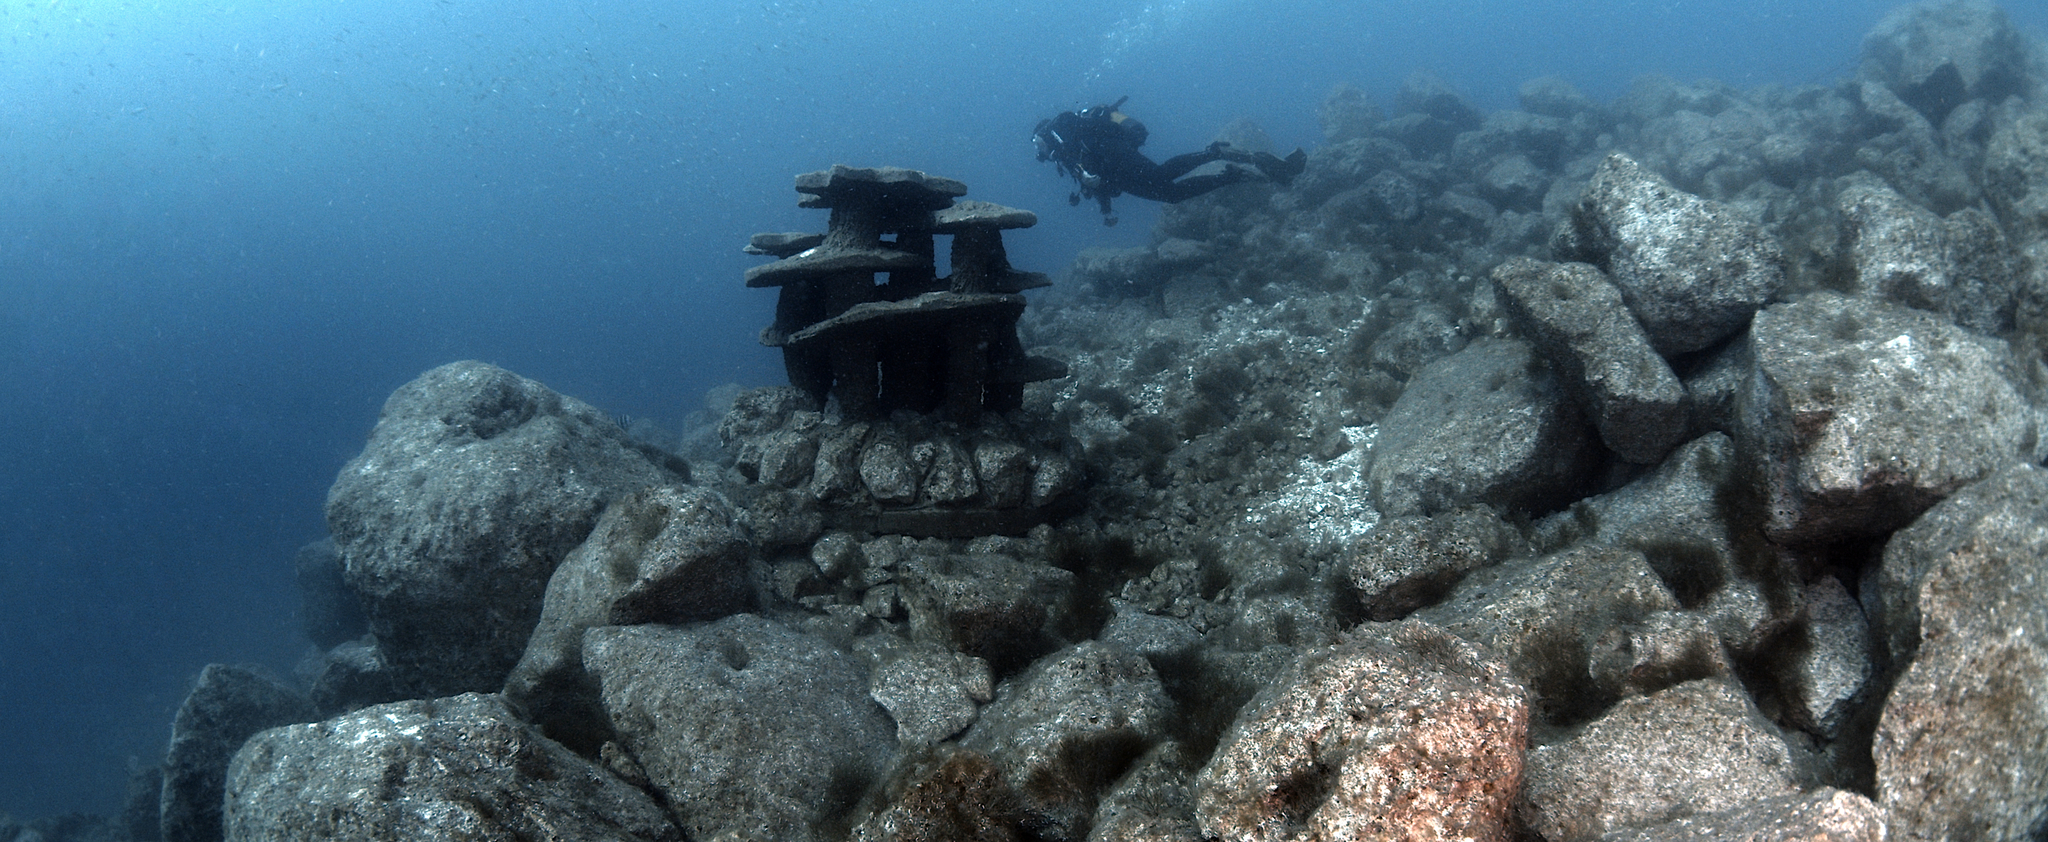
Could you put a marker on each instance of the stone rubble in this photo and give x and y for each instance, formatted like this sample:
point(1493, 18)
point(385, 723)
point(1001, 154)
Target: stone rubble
point(1664, 468)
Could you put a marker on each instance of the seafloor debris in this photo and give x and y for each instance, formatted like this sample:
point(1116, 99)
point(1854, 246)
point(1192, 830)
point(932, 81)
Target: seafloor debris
point(1707, 426)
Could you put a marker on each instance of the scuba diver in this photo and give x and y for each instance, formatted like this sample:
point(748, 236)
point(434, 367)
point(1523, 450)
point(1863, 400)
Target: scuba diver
point(1098, 147)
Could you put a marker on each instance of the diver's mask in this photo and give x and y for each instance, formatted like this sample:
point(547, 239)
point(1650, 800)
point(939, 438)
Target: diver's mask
point(1043, 138)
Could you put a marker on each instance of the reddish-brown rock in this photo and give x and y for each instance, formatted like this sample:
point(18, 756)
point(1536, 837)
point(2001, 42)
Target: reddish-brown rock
point(1699, 747)
point(1400, 731)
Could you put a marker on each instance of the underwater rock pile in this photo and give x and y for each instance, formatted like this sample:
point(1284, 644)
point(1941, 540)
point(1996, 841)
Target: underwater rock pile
point(1663, 469)
point(803, 471)
point(889, 357)
point(1645, 396)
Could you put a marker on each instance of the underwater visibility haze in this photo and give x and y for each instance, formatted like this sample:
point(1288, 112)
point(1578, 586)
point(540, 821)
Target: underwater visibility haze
point(229, 230)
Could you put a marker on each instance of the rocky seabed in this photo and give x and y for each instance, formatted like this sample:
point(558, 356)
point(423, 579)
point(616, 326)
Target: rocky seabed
point(1670, 468)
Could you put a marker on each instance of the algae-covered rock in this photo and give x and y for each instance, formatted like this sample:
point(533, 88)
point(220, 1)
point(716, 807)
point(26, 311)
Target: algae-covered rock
point(988, 605)
point(1862, 414)
point(1068, 727)
point(1691, 270)
point(1397, 732)
point(455, 768)
point(475, 483)
point(1488, 424)
point(227, 706)
point(743, 725)
point(660, 555)
point(1549, 618)
point(1699, 747)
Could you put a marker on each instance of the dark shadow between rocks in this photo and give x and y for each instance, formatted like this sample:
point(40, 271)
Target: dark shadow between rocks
point(1064, 793)
point(1207, 701)
point(1101, 566)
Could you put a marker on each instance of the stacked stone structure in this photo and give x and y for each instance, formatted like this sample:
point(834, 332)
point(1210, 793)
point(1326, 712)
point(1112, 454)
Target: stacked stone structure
point(915, 341)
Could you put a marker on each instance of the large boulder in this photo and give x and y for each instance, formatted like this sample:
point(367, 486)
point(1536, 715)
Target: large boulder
point(227, 706)
point(1939, 55)
point(932, 693)
point(1997, 509)
point(1964, 734)
point(1907, 151)
point(475, 483)
point(1406, 563)
point(1678, 517)
point(1823, 815)
point(1397, 732)
point(1068, 727)
point(1347, 113)
point(1488, 424)
point(1862, 414)
point(1151, 802)
point(743, 725)
point(990, 605)
point(2016, 175)
point(455, 768)
point(1552, 96)
point(349, 676)
point(1959, 267)
point(329, 612)
point(1558, 620)
point(1715, 152)
point(1699, 747)
point(959, 796)
point(1692, 271)
point(1577, 319)
point(663, 554)
point(1832, 663)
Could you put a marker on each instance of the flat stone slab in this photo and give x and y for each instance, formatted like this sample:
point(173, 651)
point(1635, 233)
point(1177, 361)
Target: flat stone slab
point(973, 213)
point(783, 244)
point(1029, 370)
point(821, 262)
point(930, 305)
point(894, 185)
point(1014, 281)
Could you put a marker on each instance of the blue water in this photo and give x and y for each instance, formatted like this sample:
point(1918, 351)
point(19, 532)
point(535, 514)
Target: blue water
point(228, 231)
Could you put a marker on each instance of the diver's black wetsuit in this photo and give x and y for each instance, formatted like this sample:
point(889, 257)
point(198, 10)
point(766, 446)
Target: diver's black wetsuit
point(1098, 147)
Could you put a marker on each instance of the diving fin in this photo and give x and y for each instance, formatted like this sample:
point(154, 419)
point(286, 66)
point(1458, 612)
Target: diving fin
point(1280, 170)
point(1289, 167)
